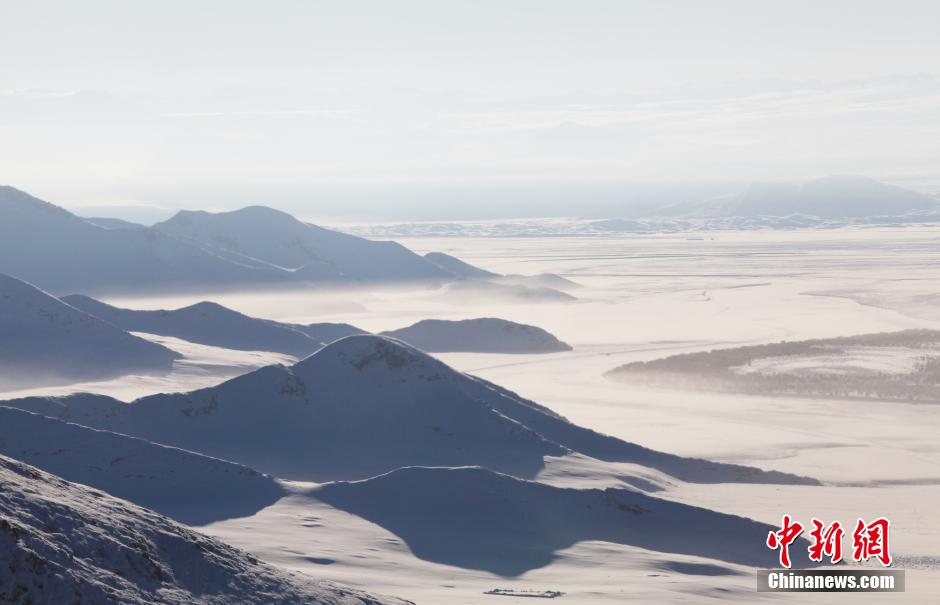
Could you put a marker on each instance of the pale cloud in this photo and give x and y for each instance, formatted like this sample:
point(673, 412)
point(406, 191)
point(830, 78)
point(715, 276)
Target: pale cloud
point(116, 103)
point(318, 113)
point(799, 103)
point(37, 93)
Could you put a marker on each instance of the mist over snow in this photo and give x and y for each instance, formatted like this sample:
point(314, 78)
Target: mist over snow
point(43, 340)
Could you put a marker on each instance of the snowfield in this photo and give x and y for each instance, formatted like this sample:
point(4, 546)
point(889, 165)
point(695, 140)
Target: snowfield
point(590, 444)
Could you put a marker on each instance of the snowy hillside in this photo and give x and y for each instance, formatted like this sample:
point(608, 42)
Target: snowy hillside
point(366, 405)
point(45, 341)
point(484, 335)
point(189, 487)
point(467, 271)
point(264, 234)
point(65, 543)
point(542, 280)
point(58, 251)
point(493, 292)
point(475, 518)
point(204, 323)
point(454, 265)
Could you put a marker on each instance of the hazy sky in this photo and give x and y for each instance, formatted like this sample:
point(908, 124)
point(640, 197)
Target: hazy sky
point(204, 103)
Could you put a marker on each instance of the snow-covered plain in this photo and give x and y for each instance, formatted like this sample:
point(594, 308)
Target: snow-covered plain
point(643, 298)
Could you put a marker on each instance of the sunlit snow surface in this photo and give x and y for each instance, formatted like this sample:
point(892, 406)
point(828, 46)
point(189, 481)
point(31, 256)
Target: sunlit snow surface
point(644, 298)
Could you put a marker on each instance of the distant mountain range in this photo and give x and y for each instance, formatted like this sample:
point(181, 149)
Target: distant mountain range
point(60, 252)
point(251, 247)
point(833, 201)
point(46, 341)
point(831, 197)
point(212, 324)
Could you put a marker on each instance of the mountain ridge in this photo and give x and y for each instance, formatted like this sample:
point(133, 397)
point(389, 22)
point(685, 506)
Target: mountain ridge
point(365, 405)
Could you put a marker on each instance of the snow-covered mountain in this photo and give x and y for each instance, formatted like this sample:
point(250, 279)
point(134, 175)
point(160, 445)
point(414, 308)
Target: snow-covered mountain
point(62, 252)
point(204, 323)
point(363, 406)
point(58, 251)
point(483, 335)
point(186, 486)
point(46, 341)
point(477, 519)
point(257, 233)
point(326, 332)
point(832, 197)
point(67, 543)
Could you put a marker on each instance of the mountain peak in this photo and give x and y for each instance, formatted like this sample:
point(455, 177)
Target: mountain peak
point(22, 204)
point(253, 213)
point(364, 350)
point(207, 306)
point(258, 210)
